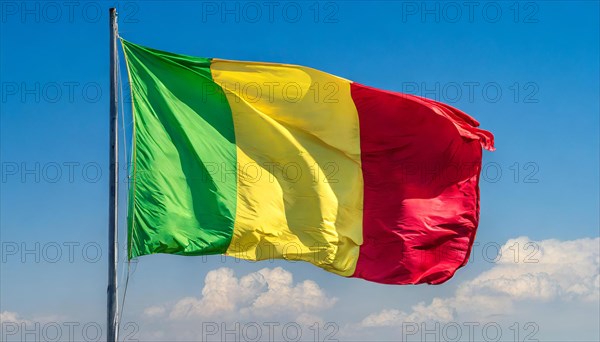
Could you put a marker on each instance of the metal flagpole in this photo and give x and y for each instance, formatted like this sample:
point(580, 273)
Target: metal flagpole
point(111, 298)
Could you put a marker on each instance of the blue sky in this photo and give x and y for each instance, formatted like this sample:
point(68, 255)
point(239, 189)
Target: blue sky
point(528, 71)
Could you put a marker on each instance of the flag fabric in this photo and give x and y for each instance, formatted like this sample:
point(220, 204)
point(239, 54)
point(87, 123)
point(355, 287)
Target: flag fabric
point(263, 160)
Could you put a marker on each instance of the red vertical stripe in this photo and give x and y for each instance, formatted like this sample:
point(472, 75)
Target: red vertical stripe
point(421, 161)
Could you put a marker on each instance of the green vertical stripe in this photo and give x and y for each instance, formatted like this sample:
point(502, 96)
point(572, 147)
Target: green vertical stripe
point(183, 196)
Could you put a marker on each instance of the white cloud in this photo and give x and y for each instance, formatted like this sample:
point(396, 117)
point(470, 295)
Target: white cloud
point(283, 296)
point(238, 306)
point(12, 317)
point(268, 293)
point(385, 317)
point(549, 270)
point(154, 311)
point(545, 270)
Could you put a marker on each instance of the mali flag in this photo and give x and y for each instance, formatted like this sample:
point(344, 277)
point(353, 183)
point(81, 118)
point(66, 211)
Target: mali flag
point(264, 160)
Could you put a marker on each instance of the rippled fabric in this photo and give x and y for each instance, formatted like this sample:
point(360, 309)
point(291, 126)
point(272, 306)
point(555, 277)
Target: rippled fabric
point(178, 204)
point(262, 160)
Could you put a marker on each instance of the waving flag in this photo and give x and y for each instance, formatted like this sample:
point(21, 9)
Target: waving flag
point(263, 160)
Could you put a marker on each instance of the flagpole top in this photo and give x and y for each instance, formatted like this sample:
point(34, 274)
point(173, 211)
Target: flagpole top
point(112, 13)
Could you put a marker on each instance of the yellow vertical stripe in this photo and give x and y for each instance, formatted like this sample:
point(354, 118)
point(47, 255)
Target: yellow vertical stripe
point(300, 187)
